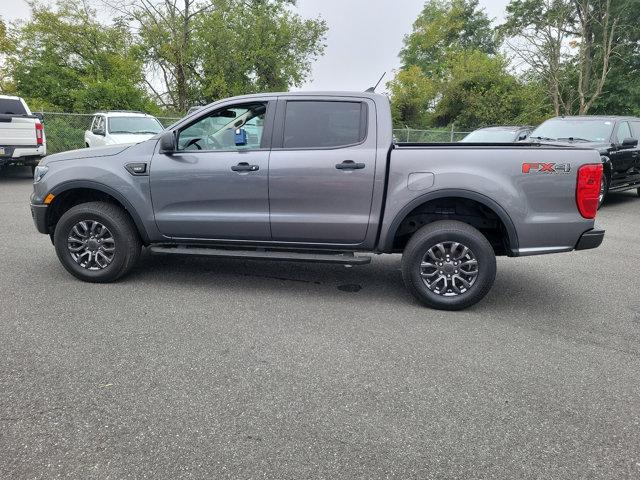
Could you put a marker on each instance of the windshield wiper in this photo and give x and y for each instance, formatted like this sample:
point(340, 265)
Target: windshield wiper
point(574, 139)
point(147, 131)
point(544, 138)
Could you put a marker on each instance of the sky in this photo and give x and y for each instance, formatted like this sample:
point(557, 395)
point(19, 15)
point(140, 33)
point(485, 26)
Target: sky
point(363, 42)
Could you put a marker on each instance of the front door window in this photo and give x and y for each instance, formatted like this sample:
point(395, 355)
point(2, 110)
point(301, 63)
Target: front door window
point(218, 131)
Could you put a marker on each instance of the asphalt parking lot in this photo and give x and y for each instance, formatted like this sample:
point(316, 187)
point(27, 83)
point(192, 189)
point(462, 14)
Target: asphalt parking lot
point(204, 368)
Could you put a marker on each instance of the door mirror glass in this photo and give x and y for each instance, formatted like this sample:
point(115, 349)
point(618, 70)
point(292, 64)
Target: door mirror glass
point(168, 142)
point(630, 142)
point(523, 136)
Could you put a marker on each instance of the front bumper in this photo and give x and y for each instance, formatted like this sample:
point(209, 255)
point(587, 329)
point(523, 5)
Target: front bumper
point(39, 215)
point(590, 239)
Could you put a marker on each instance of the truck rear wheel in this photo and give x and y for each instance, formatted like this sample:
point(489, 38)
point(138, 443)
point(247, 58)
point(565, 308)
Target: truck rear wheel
point(448, 265)
point(604, 190)
point(97, 242)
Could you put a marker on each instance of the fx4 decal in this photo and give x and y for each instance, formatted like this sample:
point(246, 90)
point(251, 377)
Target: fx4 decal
point(546, 168)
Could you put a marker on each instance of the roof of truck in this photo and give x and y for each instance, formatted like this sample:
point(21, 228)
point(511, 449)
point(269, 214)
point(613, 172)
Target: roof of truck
point(123, 113)
point(505, 127)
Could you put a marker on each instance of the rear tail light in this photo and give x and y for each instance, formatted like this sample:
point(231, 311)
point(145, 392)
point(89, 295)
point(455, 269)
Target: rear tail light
point(39, 134)
point(588, 189)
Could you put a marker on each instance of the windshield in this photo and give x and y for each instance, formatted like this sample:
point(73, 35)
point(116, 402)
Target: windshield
point(490, 136)
point(134, 125)
point(578, 129)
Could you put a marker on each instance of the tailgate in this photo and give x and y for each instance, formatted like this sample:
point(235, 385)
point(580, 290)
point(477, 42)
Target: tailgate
point(17, 131)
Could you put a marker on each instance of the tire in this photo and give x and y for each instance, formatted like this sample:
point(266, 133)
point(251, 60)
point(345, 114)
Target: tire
point(479, 276)
point(604, 190)
point(121, 245)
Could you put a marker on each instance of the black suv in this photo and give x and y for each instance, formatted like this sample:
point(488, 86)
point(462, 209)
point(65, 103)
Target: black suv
point(616, 138)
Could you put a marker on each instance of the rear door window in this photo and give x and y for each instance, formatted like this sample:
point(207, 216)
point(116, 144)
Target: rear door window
point(12, 106)
point(324, 124)
point(636, 130)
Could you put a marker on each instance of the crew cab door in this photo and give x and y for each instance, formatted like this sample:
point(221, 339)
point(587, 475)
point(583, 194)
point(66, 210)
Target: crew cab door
point(321, 170)
point(211, 187)
point(623, 158)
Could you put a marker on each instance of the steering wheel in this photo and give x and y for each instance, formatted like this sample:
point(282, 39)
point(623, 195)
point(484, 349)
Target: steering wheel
point(193, 141)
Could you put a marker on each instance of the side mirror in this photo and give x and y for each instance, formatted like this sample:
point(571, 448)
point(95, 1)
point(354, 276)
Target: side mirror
point(99, 131)
point(241, 137)
point(168, 142)
point(39, 116)
point(523, 136)
point(629, 143)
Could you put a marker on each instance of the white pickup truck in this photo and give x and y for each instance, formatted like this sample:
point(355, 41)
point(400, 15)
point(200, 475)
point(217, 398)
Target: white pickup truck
point(22, 139)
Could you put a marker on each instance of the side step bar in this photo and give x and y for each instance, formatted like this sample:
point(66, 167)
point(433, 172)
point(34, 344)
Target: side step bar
point(344, 258)
point(625, 186)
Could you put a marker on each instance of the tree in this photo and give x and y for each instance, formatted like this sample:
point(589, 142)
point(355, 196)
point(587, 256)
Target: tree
point(263, 46)
point(621, 92)
point(64, 59)
point(546, 34)
point(444, 26)
point(6, 48)
point(480, 92)
point(451, 73)
point(204, 50)
point(413, 97)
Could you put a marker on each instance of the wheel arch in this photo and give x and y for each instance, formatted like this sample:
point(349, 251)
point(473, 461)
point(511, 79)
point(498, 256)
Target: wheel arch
point(492, 205)
point(84, 188)
point(607, 167)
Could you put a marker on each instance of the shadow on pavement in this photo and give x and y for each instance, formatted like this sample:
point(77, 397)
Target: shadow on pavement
point(12, 174)
point(619, 198)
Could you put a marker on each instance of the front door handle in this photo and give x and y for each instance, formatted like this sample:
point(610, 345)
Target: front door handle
point(245, 167)
point(350, 165)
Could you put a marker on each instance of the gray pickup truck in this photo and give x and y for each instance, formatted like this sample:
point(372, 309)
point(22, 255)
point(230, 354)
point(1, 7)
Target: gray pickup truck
point(317, 177)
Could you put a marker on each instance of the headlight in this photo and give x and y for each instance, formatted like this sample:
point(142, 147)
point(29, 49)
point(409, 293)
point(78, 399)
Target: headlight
point(39, 172)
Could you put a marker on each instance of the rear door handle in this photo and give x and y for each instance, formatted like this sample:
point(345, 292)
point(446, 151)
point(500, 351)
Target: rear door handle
point(245, 167)
point(350, 165)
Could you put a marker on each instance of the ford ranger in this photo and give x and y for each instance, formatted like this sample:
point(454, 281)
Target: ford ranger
point(317, 177)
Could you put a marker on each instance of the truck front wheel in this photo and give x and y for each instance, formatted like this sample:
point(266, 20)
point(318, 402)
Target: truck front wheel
point(97, 242)
point(448, 265)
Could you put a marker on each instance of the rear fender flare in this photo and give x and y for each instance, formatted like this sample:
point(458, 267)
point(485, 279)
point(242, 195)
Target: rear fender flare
point(512, 233)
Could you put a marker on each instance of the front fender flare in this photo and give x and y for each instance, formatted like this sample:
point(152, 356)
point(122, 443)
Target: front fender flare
point(91, 185)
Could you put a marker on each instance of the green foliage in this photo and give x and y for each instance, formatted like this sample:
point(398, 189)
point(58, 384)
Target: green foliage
point(480, 92)
point(444, 26)
point(413, 97)
point(622, 90)
point(274, 54)
point(216, 48)
point(65, 59)
point(452, 74)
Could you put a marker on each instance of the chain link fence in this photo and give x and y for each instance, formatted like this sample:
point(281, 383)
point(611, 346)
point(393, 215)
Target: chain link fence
point(411, 135)
point(65, 131)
